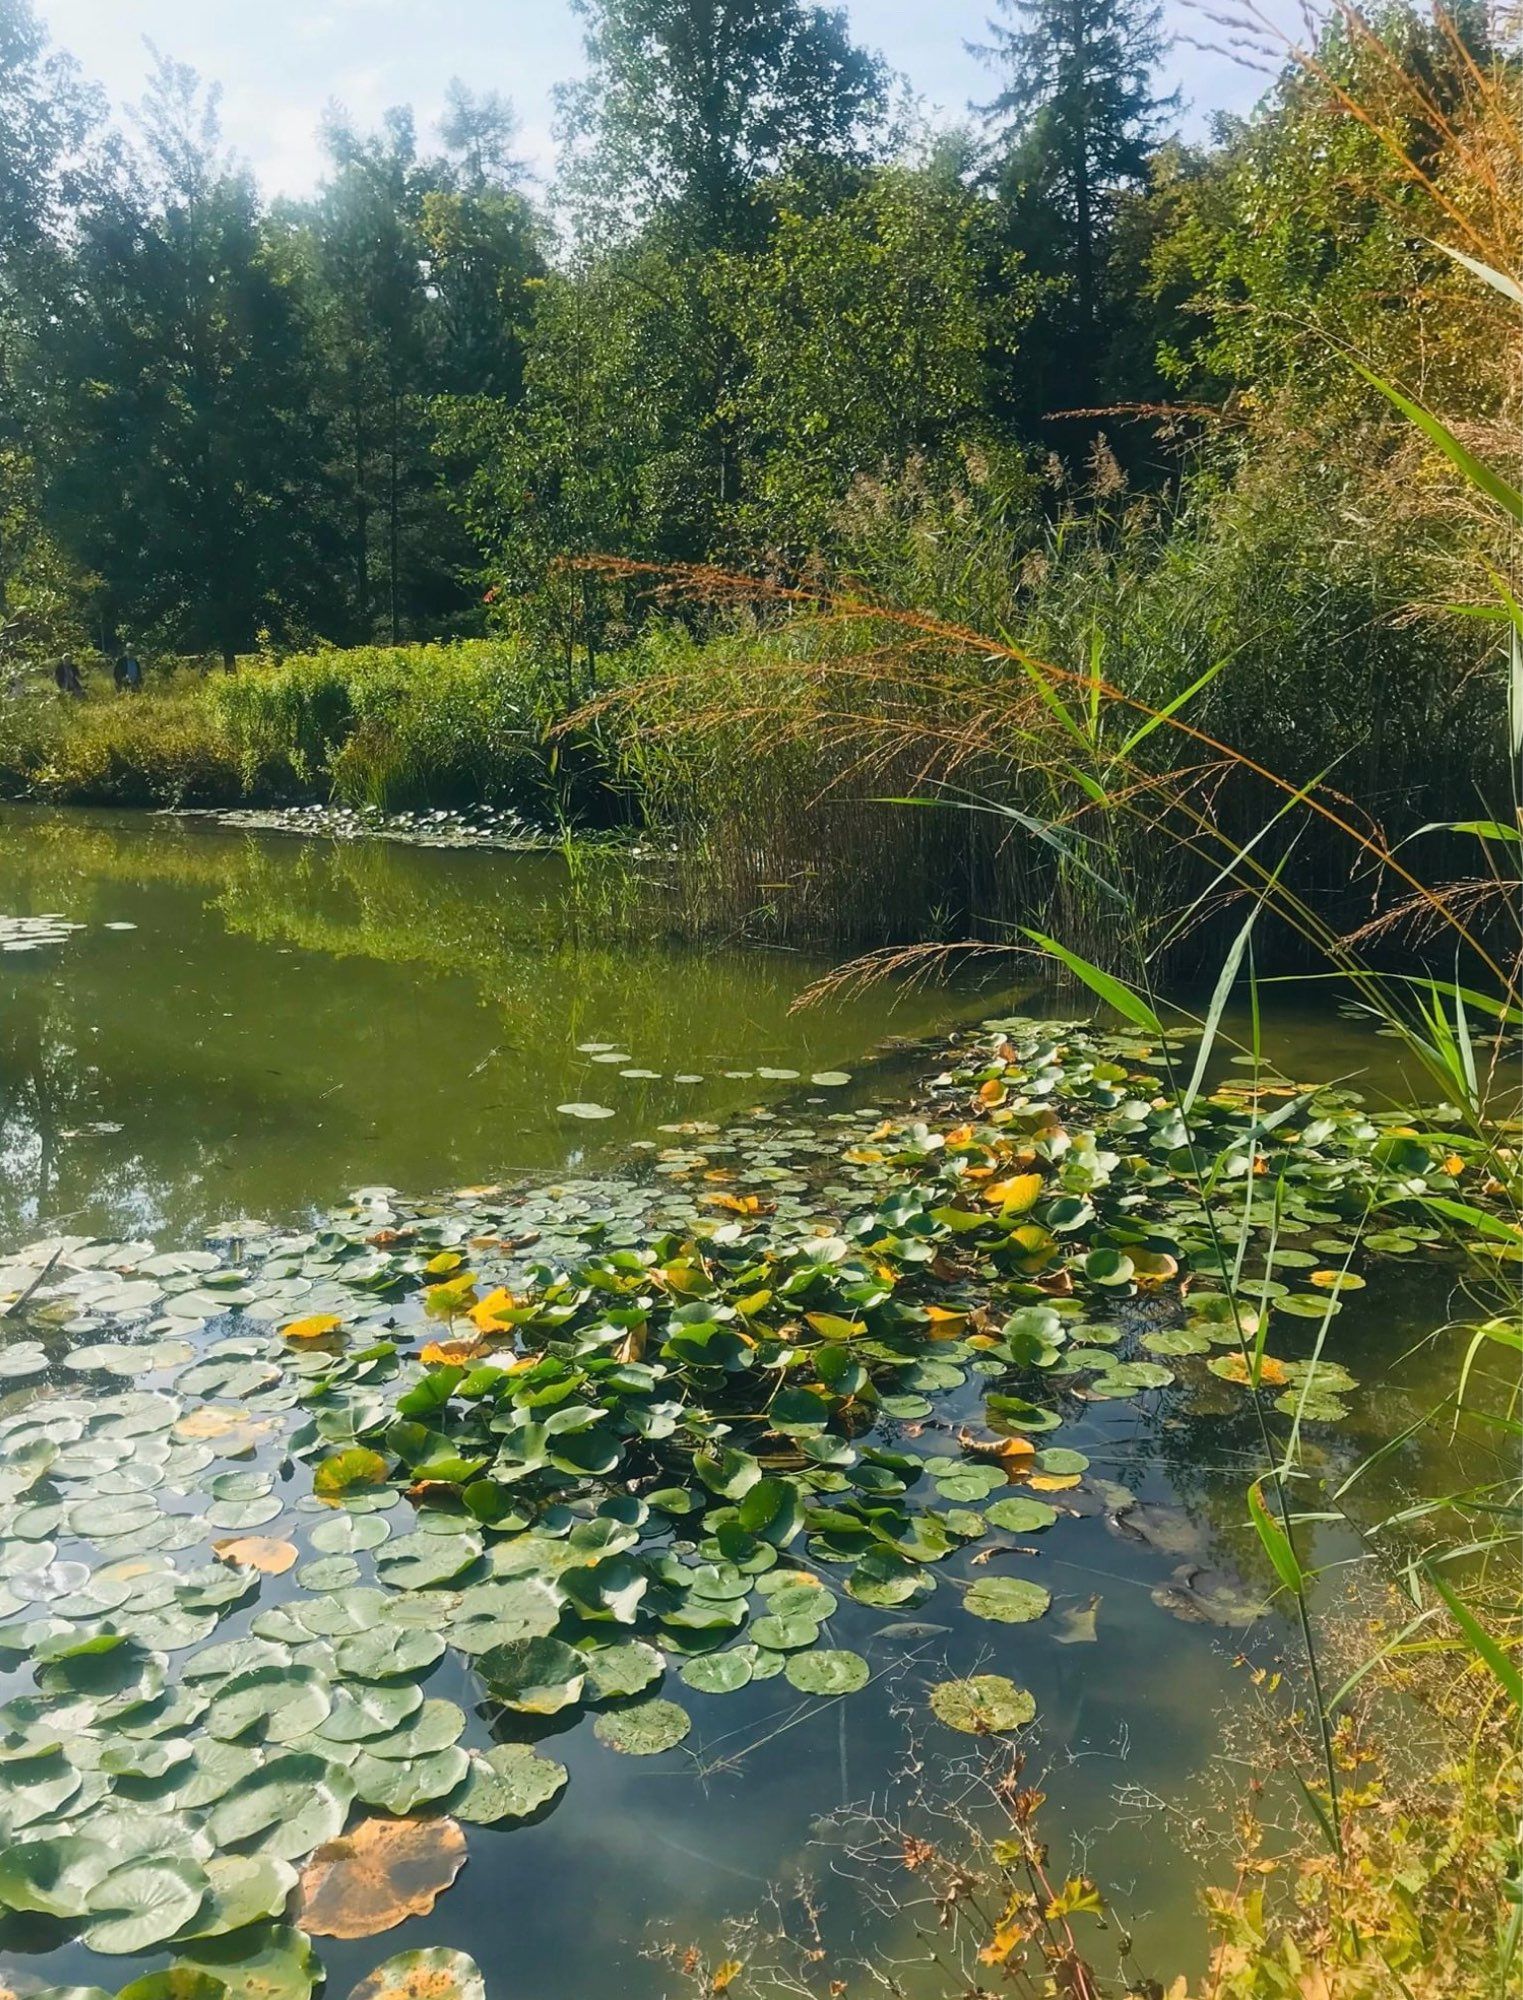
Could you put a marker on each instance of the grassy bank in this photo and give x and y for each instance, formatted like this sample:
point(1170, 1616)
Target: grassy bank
point(777, 753)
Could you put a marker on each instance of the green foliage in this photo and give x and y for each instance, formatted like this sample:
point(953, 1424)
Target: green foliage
point(687, 107)
point(869, 334)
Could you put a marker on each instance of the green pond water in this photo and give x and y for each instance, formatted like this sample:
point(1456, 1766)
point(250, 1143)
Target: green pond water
point(252, 1026)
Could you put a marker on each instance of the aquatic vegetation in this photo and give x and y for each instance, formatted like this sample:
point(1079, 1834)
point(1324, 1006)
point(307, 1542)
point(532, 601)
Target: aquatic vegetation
point(580, 1437)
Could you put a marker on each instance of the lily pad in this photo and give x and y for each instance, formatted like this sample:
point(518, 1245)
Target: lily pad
point(644, 1729)
point(434, 1973)
point(1007, 1600)
point(286, 1808)
point(982, 1705)
point(143, 1902)
point(537, 1676)
point(828, 1672)
point(510, 1781)
point(375, 1878)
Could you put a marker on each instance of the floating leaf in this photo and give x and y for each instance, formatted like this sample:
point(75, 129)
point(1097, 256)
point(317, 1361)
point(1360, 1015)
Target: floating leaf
point(538, 1676)
point(510, 1781)
point(142, 1902)
point(402, 1784)
point(1008, 1600)
point(644, 1729)
point(265, 1962)
point(1021, 1516)
point(357, 1470)
point(271, 1558)
point(435, 1973)
point(827, 1672)
point(983, 1705)
point(373, 1879)
point(289, 1806)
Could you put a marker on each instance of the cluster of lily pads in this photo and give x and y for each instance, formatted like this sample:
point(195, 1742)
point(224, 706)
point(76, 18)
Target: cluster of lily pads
point(32, 933)
point(580, 1439)
point(610, 1054)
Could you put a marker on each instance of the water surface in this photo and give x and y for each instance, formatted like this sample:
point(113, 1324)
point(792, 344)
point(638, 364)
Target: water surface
point(252, 1025)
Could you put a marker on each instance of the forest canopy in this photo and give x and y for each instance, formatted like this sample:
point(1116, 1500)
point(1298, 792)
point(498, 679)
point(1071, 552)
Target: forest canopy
point(765, 318)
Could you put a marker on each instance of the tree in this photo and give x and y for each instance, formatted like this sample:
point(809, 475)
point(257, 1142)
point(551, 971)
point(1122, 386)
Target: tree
point(870, 331)
point(419, 271)
point(1076, 121)
point(49, 122)
point(179, 465)
point(689, 104)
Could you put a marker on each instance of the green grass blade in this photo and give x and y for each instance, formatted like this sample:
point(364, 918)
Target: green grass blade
point(1131, 1006)
point(1481, 1643)
point(1277, 1544)
point(1480, 475)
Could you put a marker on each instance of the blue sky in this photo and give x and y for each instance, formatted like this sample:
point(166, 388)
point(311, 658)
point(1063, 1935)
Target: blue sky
point(281, 61)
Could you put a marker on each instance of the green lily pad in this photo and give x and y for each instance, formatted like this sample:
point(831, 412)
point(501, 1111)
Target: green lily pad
point(1021, 1516)
point(366, 1709)
point(537, 1676)
point(494, 1614)
point(983, 1705)
point(243, 1889)
point(52, 1877)
point(827, 1672)
point(717, 1673)
point(628, 1667)
point(423, 1561)
point(288, 1807)
point(1008, 1600)
point(264, 1962)
point(644, 1729)
point(143, 1902)
point(510, 1781)
point(388, 1651)
point(401, 1784)
point(274, 1704)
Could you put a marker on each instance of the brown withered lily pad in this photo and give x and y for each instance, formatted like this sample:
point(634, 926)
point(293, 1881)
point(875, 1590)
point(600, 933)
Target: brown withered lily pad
point(376, 1877)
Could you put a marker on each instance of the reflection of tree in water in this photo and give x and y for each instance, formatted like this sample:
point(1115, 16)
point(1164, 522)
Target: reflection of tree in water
point(52, 1093)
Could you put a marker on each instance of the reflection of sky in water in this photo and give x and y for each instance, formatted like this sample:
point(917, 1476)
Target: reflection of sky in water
point(290, 1020)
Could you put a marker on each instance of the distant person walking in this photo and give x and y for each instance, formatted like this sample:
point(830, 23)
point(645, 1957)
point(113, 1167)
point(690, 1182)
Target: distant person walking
point(66, 677)
point(127, 673)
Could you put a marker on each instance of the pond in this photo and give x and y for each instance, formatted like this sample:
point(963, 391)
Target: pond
point(242, 1029)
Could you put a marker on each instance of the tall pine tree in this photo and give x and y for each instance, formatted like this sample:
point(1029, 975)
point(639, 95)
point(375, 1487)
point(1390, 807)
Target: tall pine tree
point(1075, 123)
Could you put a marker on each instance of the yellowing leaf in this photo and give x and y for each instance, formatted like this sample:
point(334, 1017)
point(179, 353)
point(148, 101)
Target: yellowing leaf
point(376, 1877)
point(1052, 1482)
point(1077, 1893)
point(442, 1265)
point(259, 1552)
point(1335, 1281)
point(1238, 1368)
point(991, 1092)
point(453, 1352)
point(834, 1327)
point(725, 1975)
point(1015, 1196)
point(490, 1314)
point(321, 1326)
point(1011, 1931)
point(945, 1324)
point(738, 1204)
point(458, 1296)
